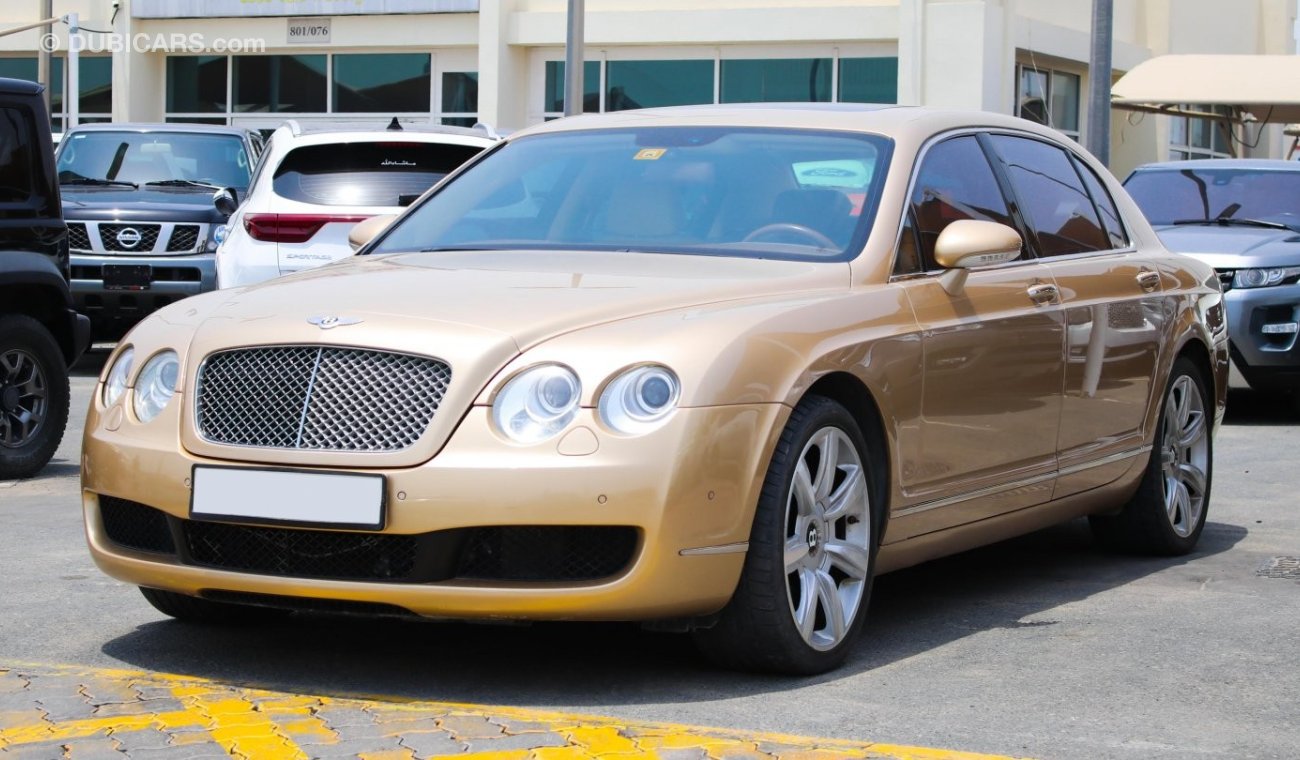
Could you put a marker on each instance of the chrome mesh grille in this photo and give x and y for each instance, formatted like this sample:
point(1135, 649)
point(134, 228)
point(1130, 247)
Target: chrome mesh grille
point(78, 238)
point(321, 398)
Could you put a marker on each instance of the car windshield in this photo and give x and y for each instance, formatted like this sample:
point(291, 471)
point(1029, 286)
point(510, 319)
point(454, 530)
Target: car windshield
point(1169, 196)
point(764, 193)
point(143, 157)
point(366, 173)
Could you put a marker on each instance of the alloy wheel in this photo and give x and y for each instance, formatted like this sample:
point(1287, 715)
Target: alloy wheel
point(827, 538)
point(24, 398)
point(1184, 457)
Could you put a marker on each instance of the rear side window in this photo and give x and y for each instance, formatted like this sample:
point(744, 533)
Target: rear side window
point(1056, 206)
point(366, 174)
point(955, 183)
point(1105, 205)
point(16, 169)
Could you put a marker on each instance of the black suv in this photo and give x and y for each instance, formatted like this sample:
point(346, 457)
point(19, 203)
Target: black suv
point(146, 206)
point(40, 334)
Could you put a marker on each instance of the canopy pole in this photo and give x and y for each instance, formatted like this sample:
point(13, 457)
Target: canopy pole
point(573, 60)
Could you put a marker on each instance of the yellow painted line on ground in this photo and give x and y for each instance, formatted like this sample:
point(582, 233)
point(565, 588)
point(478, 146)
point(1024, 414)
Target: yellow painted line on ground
point(260, 724)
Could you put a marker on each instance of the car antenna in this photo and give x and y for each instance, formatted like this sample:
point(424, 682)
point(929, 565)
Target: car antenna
point(395, 125)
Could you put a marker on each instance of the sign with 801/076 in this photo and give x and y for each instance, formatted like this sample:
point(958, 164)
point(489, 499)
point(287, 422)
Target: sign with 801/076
point(309, 31)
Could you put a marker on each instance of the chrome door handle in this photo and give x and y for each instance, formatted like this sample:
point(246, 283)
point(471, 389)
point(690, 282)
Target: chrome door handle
point(1148, 280)
point(1042, 294)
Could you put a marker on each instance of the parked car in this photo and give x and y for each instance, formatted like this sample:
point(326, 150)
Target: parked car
point(315, 185)
point(1242, 217)
point(146, 205)
point(40, 333)
point(714, 367)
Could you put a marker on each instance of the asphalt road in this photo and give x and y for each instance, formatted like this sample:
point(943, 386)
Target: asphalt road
point(1042, 646)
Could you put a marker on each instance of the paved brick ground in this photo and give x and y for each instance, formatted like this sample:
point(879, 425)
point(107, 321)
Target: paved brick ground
point(49, 713)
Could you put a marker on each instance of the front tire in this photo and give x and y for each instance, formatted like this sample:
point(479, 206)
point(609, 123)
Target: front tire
point(34, 396)
point(1167, 514)
point(803, 593)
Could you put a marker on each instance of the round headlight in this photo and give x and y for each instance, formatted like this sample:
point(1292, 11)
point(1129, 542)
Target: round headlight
point(538, 403)
point(115, 385)
point(640, 399)
point(156, 385)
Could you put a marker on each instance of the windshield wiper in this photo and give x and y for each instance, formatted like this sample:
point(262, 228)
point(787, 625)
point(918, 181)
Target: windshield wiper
point(96, 182)
point(1224, 221)
point(181, 183)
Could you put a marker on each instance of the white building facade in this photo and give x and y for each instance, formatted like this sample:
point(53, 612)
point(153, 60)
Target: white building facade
point(257, 62)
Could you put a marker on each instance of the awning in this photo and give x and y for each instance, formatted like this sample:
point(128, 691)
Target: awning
point(1263, 88)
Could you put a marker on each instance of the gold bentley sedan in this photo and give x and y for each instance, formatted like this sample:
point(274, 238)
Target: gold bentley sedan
point(712, 367)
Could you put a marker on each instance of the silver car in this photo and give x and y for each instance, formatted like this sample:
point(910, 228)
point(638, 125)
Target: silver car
point(1241, 216)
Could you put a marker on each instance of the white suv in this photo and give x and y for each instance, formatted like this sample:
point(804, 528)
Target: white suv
point(312, 187)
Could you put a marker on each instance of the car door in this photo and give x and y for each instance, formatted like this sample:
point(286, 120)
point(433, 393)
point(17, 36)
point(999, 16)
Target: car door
point(1113, 308)
point(985, 441)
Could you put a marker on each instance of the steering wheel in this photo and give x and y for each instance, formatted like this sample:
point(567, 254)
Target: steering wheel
point(820, 240)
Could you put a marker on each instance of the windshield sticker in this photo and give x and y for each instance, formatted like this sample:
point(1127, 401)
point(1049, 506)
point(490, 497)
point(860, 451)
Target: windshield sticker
point(650, 154)
point(843, 173)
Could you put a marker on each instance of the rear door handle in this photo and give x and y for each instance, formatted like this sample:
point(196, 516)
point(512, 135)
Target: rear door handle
point(1148, 280)
point(1042, 294)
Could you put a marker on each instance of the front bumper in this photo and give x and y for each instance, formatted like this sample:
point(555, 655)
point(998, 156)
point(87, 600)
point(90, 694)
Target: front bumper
point(689, 490)
point(113, 312)
point(1261, 326)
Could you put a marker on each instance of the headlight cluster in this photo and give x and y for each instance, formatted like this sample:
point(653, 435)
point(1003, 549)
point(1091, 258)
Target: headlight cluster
point(154, 387)
point(540, 402)
point(1263, 278)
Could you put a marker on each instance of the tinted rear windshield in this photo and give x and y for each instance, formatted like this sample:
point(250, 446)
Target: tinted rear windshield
point(1175, 195)
point(366, 174)
point(142, 157)
point(722, 191)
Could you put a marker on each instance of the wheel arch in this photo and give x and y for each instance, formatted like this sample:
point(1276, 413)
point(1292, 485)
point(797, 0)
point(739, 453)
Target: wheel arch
point(854, 395)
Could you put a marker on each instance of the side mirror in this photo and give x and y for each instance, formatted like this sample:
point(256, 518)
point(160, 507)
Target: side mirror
point(226, 200)
point(970, 243)
point(366, 231)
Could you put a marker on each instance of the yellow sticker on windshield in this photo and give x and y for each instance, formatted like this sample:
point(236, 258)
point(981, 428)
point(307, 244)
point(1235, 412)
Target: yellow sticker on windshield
point(650, 154)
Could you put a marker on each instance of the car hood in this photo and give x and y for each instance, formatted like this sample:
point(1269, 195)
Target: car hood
point(1233, 247)
point(528, 296)
point(142, 205)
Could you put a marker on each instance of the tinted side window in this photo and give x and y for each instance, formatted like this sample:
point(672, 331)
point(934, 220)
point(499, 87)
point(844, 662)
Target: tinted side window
point(955, 183)
point(16, 170)
point(1105, 204)
point(1056, 206)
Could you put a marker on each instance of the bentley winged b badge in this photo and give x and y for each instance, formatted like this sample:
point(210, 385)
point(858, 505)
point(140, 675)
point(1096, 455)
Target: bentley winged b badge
point(327, 322)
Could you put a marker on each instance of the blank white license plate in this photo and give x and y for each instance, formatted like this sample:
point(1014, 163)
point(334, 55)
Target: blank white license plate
point(287, 497)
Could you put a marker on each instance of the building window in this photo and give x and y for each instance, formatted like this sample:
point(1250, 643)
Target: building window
point(382, 83)
point(1048, 97)
point(460, 98)
point(96, 86)
point(218, 89)
point(196, 84)
point(1196, 137)
point(805, 80)
point(649, 84)
point(868, 80)
point(280, 83)
point(624, 85)
point(591, 87)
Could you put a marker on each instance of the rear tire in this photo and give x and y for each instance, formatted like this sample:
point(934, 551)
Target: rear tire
point(192, 609)
point(1167, 514)
point(803, 593)
point(34, 396)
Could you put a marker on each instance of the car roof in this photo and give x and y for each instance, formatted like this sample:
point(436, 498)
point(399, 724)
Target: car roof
point(19, 87)
point(853, 117)
point(1257, 164)
point(141, 127)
